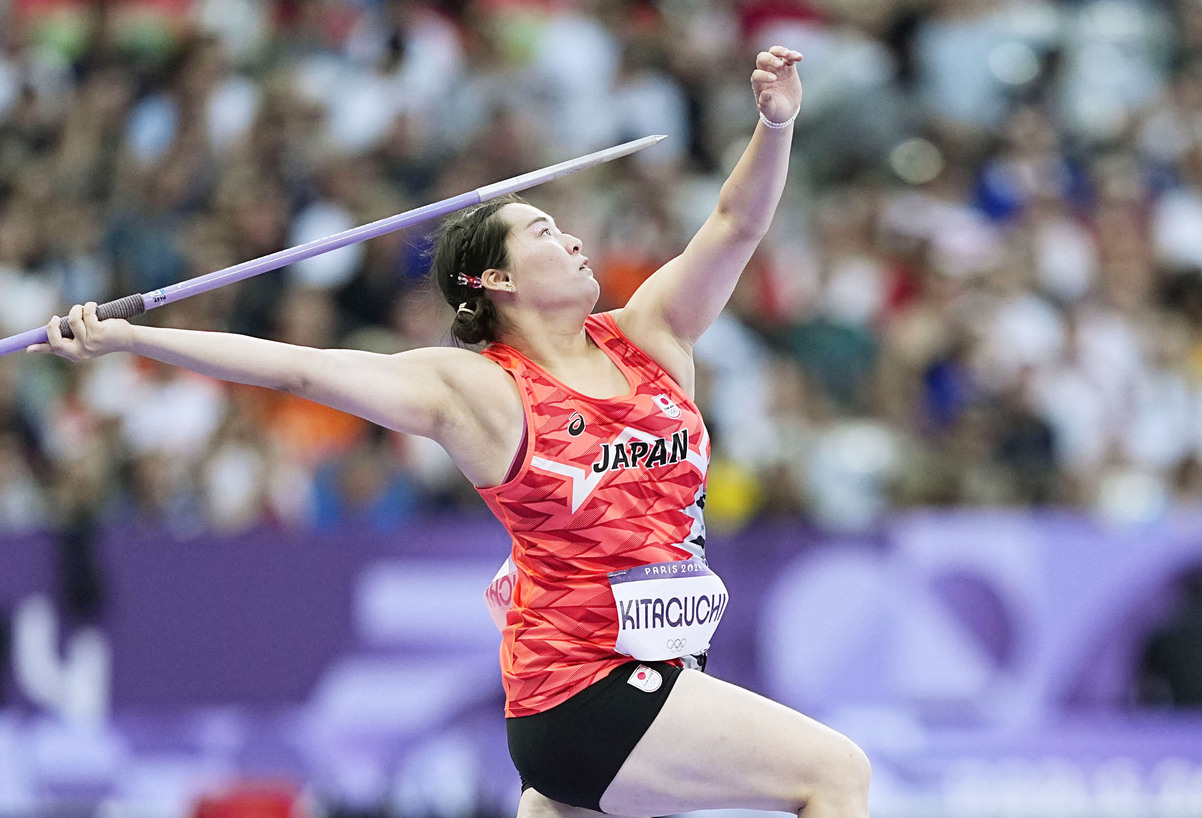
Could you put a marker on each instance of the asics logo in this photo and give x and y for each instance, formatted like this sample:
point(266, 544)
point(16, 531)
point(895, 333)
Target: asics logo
point(575, 424)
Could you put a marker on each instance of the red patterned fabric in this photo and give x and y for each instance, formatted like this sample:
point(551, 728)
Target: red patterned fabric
point(606, 484)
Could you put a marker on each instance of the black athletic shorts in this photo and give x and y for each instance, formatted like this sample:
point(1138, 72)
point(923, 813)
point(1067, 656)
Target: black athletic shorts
point(572, 752)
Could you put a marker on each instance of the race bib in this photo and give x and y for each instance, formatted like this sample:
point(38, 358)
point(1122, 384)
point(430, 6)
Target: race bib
point(667, 610)
point(498, 596)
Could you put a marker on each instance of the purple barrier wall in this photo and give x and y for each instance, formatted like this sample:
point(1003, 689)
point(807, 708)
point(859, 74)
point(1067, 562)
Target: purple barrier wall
point(953, 647)
point(248, 619)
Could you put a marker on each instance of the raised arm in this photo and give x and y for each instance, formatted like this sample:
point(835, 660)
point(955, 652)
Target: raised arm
point(454, 396)
point(679, 301)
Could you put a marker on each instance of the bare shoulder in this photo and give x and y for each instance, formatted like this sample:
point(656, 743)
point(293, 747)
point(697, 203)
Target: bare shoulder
point(463, 368)
point(449, 360)
point(474, 381)
point(655, 339)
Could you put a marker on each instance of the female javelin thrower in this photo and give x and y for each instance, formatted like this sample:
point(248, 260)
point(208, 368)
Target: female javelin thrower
point(580, 432)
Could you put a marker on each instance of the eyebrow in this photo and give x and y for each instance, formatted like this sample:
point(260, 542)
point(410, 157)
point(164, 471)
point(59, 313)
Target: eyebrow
point(538, 219)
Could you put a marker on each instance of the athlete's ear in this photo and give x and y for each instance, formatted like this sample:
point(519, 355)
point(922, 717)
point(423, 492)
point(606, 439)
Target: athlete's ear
point(497, 280)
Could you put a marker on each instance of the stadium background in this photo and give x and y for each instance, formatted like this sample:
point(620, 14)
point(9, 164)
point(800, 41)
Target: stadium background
point(956, 401)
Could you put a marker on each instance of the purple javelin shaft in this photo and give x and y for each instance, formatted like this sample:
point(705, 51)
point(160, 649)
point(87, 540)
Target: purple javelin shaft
point(135, 304)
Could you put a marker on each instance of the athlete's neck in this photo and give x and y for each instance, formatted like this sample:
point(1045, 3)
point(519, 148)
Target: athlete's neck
point(556, 342)
point(553, 352)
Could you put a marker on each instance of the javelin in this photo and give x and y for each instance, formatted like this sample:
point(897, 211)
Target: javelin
point(132, 305)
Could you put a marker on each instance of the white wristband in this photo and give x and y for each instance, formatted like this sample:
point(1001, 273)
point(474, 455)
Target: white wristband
point(776, 126)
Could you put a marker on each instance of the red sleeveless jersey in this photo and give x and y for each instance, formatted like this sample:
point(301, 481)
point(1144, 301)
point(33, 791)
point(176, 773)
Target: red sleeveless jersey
point(605, 484)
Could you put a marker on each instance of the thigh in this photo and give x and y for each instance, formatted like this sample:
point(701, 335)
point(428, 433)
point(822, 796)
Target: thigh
point(715, 745)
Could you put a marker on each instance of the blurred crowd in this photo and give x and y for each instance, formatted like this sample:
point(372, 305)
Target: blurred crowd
point(983, 286)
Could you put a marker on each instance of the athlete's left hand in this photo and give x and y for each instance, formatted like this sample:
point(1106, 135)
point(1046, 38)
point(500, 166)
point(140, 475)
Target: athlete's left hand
point(775, 83)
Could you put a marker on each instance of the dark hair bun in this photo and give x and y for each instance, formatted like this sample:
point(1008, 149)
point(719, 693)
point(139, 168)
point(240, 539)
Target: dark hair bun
point(475, 320)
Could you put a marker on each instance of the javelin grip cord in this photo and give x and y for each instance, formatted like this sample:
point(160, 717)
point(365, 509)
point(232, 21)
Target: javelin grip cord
point(126, 307)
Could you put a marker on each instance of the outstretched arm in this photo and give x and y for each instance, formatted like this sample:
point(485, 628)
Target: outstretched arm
point(679, 302)
point(433, 392)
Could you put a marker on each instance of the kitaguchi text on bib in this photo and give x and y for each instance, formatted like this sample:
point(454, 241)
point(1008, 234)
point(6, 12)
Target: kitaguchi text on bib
point(667, 609)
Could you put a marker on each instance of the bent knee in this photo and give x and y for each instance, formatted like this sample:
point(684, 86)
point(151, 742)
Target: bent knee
point(844, 774)
point(856, 769)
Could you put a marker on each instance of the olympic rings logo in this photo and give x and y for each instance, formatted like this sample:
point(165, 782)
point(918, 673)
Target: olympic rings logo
point(677, 645)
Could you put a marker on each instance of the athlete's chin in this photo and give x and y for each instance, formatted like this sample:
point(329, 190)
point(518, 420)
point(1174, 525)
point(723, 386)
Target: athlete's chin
point(584, 297)
point(584, 283)
point(594, 291)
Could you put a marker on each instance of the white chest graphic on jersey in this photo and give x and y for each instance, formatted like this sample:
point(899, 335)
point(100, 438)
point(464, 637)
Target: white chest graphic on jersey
point(630, 449)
